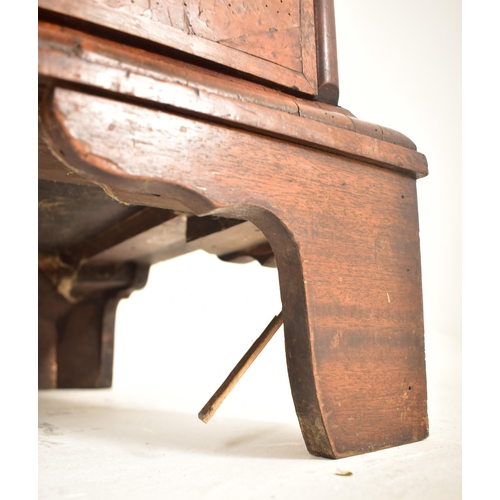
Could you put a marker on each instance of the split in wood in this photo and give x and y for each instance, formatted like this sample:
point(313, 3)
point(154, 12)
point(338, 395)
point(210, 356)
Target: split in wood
point(216, 400)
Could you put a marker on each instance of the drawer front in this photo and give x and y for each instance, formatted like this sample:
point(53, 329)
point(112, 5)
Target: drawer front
point(274, 40)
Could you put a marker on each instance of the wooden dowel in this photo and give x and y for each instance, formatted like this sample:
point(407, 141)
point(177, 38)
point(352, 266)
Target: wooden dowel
point(216, 400)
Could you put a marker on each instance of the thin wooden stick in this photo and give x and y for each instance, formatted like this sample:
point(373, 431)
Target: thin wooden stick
point(221, 393)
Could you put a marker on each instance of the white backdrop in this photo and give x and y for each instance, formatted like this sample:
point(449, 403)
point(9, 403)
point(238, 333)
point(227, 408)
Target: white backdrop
point(400, 67)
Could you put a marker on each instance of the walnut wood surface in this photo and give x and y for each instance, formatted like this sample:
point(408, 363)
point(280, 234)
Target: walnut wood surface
point(74, 57)
point(344, 234)
point(328, 73)
point(273, 40)
point(328, 198)
point(76, 335)
point(168, 240)
point(212, 405)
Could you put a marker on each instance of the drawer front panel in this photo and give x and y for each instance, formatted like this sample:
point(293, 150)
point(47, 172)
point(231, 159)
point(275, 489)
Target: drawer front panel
point(273, 40)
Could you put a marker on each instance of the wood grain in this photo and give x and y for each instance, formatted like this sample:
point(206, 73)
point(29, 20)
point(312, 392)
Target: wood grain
point(345, 237)
point(162, 82)
point(267, 39)
point(328, 73)
point(213, 404)
point(76, 334)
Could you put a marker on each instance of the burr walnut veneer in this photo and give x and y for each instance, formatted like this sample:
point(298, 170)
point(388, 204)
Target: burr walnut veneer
point(170, 126)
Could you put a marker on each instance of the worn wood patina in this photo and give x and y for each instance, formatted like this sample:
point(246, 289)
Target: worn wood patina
point(167, 131)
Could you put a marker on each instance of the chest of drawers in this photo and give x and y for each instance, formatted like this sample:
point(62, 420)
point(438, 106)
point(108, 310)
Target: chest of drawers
point(167, 127)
